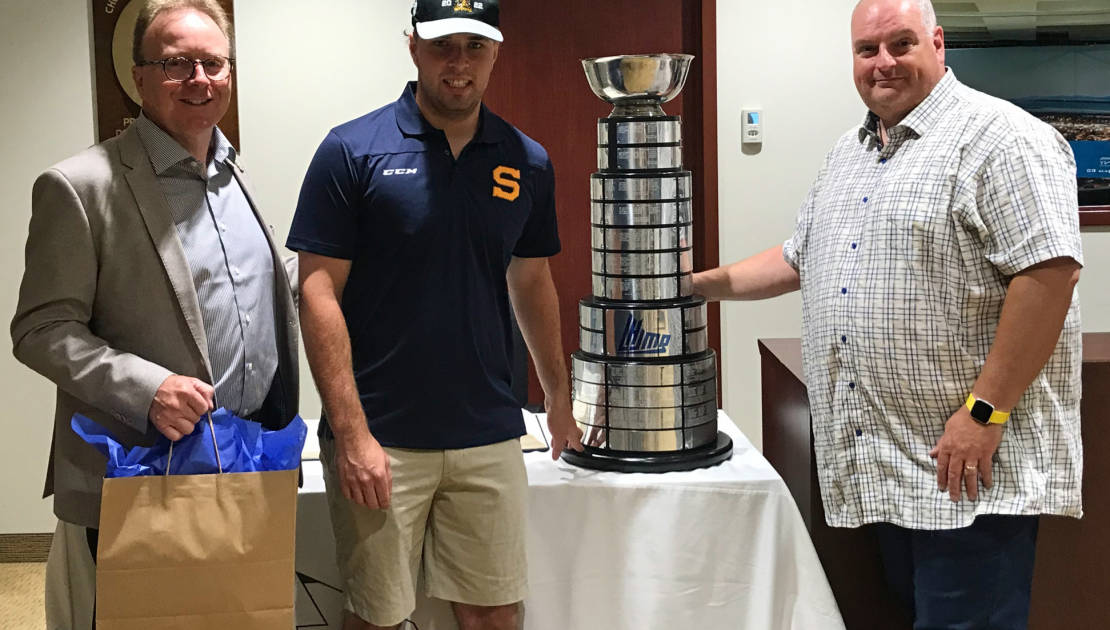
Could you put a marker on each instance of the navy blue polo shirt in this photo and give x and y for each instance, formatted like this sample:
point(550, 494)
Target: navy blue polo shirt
point(429, 238)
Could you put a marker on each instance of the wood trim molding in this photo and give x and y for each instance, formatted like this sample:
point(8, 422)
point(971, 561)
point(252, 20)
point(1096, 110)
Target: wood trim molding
point(1094, 215)
point(699, 34)
point(24, 547)
point(711, 216)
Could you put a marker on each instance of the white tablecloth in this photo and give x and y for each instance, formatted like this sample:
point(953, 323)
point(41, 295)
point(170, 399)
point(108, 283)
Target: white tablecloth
point(715, 548)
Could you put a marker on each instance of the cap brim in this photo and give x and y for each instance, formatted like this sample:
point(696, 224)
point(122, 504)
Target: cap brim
point(451, 26)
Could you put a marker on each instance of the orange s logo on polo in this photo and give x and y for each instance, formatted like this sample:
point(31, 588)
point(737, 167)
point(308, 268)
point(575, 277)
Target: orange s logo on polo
point(507, 182)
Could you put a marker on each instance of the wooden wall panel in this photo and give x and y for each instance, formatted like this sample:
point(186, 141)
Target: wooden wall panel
point(539, 86)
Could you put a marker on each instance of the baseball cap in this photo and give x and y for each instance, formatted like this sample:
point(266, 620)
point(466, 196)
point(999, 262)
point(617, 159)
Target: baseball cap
point(438, 18)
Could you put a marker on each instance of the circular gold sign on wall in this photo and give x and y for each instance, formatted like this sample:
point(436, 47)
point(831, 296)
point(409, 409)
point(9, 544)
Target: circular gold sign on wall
point(121, 49)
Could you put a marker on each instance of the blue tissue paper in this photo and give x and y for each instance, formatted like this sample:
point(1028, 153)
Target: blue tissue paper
point(244, 447)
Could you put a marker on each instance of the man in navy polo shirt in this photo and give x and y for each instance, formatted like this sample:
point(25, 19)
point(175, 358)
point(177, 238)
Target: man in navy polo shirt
point(416, 226)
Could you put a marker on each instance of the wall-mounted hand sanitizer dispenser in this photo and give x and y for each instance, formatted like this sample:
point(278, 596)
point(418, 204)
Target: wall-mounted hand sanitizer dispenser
point(751, 126)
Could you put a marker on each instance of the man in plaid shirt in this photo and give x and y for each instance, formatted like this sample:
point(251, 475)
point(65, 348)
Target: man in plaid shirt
point(937, 254)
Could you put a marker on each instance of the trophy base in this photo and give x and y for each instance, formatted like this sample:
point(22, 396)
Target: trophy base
point(629, 462)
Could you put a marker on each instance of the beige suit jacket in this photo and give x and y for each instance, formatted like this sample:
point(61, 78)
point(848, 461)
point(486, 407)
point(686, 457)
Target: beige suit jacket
point(107, 310)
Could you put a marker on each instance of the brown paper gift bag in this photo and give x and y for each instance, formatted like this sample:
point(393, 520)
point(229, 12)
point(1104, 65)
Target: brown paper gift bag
point(197, 552)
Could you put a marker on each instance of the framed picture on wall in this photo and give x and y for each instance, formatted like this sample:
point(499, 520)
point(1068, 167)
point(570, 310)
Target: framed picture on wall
point(1051, 59)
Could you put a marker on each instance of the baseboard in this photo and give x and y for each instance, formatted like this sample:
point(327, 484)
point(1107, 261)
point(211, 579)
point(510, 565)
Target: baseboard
point(24, 547)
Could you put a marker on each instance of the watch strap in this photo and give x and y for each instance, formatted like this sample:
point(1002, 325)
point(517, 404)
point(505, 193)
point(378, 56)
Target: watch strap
point(985, 413)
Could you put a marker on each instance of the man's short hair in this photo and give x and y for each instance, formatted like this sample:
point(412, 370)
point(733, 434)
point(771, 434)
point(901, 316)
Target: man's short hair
point(928, 14)
point(152, 8)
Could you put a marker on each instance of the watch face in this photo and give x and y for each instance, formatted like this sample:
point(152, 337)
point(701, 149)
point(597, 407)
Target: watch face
point(981, 412)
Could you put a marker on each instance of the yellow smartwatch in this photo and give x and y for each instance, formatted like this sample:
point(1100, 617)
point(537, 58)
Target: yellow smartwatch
point(984, 413)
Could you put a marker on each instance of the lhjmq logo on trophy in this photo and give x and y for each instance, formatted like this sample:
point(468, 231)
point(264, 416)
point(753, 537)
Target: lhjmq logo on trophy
point(644, 377)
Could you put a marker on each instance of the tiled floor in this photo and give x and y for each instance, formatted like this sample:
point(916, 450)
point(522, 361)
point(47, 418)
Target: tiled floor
point(21, 596)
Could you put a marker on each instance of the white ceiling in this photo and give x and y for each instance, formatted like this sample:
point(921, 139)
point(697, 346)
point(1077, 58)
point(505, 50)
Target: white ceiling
point(1050, 21)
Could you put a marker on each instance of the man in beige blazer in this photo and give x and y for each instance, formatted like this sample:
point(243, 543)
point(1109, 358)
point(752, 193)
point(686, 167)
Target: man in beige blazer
point(152, 290)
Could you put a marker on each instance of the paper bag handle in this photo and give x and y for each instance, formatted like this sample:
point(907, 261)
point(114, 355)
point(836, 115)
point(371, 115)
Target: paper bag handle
point(216, 447)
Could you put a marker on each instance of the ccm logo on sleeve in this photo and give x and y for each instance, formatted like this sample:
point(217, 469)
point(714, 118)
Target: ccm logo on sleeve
point(507, 183)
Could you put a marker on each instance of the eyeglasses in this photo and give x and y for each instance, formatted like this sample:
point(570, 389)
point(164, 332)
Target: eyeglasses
point(181, 69)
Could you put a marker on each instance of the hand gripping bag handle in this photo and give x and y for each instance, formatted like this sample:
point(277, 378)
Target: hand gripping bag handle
point(216, 447)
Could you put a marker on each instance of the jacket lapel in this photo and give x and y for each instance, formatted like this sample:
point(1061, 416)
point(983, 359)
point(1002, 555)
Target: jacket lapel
point(240, 176)
point(286, 282)
point(159, 223)
point(285, 308)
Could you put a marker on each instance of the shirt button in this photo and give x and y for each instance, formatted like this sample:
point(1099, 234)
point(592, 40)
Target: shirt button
point(250, 366)
point(859, 432)
point(865, 200)
point(844, 291)
point(855, 245)
point(850, 385)
point(843, 339)
point(882, 161)
point(247, 318)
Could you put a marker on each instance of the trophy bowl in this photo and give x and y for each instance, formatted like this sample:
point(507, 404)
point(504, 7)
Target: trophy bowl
point(633, 79)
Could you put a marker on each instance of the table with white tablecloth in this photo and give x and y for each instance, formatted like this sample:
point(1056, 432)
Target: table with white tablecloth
point(714, 548)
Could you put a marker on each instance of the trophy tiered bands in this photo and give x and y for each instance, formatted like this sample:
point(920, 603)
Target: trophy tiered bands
point(644, 377)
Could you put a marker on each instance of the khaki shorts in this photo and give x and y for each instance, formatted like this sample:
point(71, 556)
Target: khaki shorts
point(457, 514)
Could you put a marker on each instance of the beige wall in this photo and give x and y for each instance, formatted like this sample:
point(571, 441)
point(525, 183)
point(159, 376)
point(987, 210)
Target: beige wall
point(302, 71)
point(46, 105)
point(798, 71)
point(300, 74)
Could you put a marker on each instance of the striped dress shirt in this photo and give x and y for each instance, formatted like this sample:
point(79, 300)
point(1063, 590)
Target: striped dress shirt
point(905, 251)
point(230, 260)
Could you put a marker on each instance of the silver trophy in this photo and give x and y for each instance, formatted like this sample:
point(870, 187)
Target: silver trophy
point(644, 378)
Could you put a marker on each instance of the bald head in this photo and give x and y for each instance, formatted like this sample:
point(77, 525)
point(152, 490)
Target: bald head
point(925, 7)
point(898, 55)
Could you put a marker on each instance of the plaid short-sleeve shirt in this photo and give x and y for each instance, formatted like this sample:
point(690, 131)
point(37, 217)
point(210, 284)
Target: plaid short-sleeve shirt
point(905, 251)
